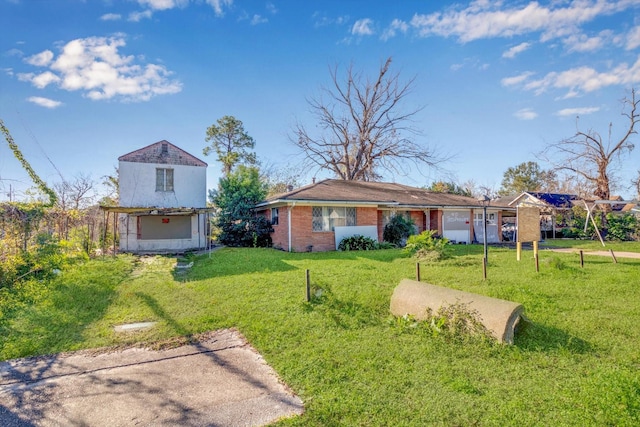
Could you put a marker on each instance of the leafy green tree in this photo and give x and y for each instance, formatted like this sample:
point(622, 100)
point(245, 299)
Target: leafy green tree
point(622, 227)
point(231, 143)
point(449, 187)
point(526, 176)
point(237, 220)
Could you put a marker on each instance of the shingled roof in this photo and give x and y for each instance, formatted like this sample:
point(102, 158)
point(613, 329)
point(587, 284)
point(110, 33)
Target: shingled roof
point(379, 193)
point(162, 152)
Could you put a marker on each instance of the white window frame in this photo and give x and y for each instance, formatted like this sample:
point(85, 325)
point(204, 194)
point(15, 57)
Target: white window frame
point(275, 216)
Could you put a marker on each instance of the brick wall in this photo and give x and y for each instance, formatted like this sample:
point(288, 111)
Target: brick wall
point(302, 234)
point(418, 219)
point(280, 235)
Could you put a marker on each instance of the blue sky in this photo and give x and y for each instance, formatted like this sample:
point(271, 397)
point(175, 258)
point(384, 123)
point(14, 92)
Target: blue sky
point(83, 82)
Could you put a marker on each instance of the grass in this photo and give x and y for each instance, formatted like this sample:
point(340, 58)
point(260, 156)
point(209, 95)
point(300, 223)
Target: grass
point(575, 363)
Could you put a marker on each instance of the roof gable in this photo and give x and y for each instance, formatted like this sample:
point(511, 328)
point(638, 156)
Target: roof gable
point(335, 191)
point(557, 200)
point(162, 152)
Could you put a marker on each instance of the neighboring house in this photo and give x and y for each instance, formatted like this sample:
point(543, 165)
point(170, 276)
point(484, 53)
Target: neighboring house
point(551, 205)
point(316, 217)
point(162, 200)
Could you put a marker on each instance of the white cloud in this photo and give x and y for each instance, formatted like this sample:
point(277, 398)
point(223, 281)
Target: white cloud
point(487, 19)
point(139, 16)
point(583, 43)
point(95, 66)
point(271, 8)
point(15, 52)
point(162, 4)
point(633, 38)
point(362, 27)
point(44, 102)
point(515, 80)
point(321, 20)
point(526, 114)
point(257, 19)
point(219, 5)
point(41, 59)
point(587, 79)
point(515, 50)
point(111, 17)
point(395, 26)
point(568, 112)
point(44, 79)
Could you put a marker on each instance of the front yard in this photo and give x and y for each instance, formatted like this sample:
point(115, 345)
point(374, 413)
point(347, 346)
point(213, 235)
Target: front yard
point(575, 363)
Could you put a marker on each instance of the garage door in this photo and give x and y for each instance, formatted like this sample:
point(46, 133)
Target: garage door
point(455, 225)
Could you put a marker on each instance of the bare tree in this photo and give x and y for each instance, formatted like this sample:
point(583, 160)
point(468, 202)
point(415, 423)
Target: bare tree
point(280, 178)
point(363, 129)
point(636, 185)
point(588, 156)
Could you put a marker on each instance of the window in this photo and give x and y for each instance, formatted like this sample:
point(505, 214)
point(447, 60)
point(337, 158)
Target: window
point(164, 179)
point(326, 218)
point(387, 215)
point(477, 219)
point(275, 215)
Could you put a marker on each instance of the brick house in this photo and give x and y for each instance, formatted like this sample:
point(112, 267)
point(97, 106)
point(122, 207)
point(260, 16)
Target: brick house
point(162, 204)
point(316, 217)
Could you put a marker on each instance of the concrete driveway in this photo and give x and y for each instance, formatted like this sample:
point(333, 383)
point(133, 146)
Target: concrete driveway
point(218, 381)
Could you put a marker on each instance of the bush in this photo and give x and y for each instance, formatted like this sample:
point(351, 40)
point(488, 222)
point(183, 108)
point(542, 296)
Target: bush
point(357, 243)
point(398, 230)
point(455, 322)
point(622, 227)
point(427, 246)
point(385, 245)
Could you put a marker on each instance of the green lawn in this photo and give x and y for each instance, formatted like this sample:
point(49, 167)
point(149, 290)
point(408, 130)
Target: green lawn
point(575, 363)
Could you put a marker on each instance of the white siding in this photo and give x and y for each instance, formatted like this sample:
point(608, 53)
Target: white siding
point(138, 186)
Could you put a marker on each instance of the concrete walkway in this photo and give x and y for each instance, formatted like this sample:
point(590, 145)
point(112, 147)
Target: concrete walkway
point(218, 381)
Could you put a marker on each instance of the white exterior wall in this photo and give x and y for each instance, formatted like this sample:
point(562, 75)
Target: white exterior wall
point(127, 228)
point(138, 186)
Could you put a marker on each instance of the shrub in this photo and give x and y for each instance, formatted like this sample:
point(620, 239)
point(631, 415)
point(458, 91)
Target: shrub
point(398, 230)
point(622, 227)
point(455, 322)
point(427, 246)
point(385, 245)
point(357, 243)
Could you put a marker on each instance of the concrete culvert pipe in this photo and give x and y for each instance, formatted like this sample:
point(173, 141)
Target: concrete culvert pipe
point(500, 317)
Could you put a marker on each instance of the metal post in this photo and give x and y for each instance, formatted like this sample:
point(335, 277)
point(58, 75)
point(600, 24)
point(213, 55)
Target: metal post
point(484, 217)
point(308, 287)
point(417, 271)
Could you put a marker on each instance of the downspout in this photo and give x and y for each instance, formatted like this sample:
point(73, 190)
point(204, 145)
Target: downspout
point(289, 223)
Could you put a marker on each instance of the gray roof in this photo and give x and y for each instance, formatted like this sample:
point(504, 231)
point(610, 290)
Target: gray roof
point(378, 193)
point(162, 152)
